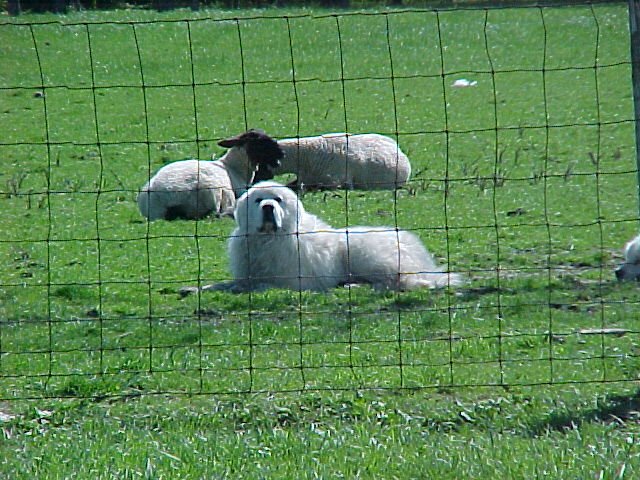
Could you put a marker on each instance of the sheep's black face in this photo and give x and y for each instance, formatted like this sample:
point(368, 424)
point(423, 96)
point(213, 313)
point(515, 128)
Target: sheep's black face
point(261, 149)
point(265, 152)
point(264, 172)
point(243, 138)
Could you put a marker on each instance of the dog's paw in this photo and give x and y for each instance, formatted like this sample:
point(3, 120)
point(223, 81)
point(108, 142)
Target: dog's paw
point(186, 291)
point(215, 287)
point(220, 287)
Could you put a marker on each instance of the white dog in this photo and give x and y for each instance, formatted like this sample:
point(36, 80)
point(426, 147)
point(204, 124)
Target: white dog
point(277, 244)
point(630, 269)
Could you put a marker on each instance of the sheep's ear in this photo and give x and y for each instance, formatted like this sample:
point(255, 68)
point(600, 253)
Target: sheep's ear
point(243, 138)
point(230, 142)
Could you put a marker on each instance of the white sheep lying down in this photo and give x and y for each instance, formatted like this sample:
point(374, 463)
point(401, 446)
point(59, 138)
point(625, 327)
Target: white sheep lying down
point(193, 189)
point(365, 161)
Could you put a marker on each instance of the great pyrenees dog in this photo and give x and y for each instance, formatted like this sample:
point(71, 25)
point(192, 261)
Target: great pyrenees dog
point(278, 244)
point(630, 269)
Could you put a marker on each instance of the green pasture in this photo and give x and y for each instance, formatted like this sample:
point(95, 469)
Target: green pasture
point(526, 184)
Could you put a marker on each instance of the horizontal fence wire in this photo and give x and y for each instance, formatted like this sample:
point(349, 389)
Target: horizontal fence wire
point(519, 126)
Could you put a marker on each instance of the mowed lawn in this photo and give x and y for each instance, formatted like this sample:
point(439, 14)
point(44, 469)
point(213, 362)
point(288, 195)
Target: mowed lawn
point(525, 183)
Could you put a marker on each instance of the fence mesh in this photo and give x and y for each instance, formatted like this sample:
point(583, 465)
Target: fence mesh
point(520, 129)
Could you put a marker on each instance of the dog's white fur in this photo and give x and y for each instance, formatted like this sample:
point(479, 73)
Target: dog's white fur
point(630, 269)
point(277, 244)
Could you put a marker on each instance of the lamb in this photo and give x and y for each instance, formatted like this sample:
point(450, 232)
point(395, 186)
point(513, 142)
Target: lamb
point(630, 269)
point(365, 161)
point(193, 189)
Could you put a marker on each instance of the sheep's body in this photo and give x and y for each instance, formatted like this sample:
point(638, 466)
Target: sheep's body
point(189, 189)
point(193, 189)
point(366, 161)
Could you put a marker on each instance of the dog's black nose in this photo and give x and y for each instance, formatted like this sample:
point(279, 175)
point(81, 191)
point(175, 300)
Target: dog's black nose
point(619, 273)
point(268, 218)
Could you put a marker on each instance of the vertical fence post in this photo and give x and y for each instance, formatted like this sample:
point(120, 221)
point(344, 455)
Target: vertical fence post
point(634, 24)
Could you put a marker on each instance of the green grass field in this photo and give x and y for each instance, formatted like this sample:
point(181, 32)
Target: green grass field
point(526, 184)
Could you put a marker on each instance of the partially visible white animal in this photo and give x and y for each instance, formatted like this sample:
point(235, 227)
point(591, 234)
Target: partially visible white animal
point(367, 161)
point(277, 244)
point(193, 189)
point(630, 269)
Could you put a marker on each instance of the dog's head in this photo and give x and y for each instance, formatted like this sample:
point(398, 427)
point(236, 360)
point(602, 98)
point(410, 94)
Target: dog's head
point(263, 152)
point(630, 269)
point(268, 208)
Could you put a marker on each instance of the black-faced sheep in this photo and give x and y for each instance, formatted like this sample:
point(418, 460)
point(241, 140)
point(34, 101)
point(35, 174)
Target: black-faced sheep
point(366, 161)
point(193, 189)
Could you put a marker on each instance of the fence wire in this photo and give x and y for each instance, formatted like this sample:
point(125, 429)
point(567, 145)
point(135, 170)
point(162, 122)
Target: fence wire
point(520, 128)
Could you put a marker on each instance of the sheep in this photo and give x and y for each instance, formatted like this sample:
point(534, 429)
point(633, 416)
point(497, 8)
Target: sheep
point(630, 269)
point(193, 189)
point(366, 161)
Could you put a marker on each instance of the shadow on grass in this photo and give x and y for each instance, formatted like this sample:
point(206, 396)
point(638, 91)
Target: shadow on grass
point(619, 409)
point(531, 285)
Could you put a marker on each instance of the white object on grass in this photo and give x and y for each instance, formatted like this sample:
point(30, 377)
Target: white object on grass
point(463, 82)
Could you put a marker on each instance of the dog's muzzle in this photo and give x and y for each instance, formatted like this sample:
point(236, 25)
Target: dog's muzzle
point(269, 224)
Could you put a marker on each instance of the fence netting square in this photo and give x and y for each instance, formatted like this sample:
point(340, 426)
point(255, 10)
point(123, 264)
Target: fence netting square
point(519, 126)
